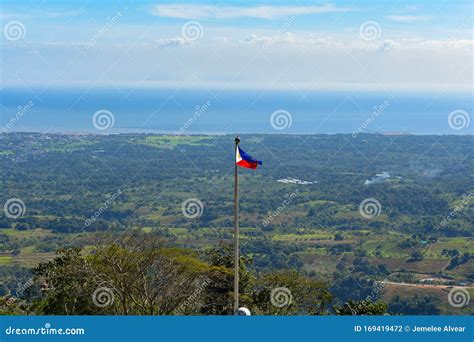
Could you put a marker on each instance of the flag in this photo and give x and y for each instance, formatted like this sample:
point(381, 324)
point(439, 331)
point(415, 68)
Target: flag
point(242, 159)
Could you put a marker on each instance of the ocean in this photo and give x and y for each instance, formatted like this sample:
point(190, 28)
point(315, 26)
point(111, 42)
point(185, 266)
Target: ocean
point(185, 111)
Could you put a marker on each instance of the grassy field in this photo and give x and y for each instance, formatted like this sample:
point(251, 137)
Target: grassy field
point(440, 293)
point(5, 260)
point(71, 146)
point(11, 232)
point(167, 141)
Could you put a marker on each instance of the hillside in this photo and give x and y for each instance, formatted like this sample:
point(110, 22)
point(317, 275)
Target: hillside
point(353, 212)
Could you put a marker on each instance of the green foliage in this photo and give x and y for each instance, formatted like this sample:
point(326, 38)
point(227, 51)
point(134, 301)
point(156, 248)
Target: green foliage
point(290, 293)
point(354, 288)
point(67, 285)
point(139, 274)
point(414, 305)
point(361, 308)
point(156, 173)
point(416, 255)
point(219, 294)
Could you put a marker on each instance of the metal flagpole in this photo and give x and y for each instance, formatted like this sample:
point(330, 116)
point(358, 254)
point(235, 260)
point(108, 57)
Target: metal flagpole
point(236, 232)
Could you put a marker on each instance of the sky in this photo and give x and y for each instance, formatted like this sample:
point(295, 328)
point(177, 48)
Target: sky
point(409, 45)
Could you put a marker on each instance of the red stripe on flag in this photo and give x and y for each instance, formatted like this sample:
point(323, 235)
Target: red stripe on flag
point(247, 165)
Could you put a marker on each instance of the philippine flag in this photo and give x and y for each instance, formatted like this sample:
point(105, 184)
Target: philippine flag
point(242, 159)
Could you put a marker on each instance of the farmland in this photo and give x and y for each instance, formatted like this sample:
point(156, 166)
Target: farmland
point(421, 232)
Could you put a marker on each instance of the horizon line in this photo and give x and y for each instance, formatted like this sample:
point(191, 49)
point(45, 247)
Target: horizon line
point(242, 86)
point(388, 133)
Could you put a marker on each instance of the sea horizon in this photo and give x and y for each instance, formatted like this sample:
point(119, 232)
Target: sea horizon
point(170, 133)
point(185, 111)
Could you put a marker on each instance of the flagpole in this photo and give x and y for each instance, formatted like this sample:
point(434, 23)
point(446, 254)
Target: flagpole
point(236, 231)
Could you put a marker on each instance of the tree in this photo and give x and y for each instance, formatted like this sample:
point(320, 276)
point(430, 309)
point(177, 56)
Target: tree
point(361, 307)
point(353, 288)
point(67, 285)
point(416, 255)
point(218, 295)
point(290, 293)
point(135, 276)
point(416, 305)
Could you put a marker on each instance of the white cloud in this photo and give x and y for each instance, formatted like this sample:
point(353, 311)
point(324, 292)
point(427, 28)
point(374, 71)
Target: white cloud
point(285, 38)
point(250, 37)
point(408, 18)
point(172, 42)
point(223, 12)
point(250, 58)
point(39, 14)
point(449, 44)
point(388, 45)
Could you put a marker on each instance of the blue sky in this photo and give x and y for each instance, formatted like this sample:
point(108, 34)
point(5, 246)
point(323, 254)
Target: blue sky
point(240, 44)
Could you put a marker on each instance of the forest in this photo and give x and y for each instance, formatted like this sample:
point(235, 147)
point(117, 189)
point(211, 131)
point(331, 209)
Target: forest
point(367, 224)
